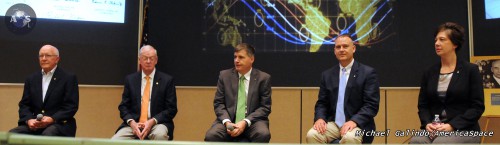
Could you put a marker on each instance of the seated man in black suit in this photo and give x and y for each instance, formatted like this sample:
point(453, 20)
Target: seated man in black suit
point(149, 102)
point(348, 99)
point(50, 99)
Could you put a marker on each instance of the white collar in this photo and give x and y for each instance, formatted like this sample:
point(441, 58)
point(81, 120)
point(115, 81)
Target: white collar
point(150, 75)
point(50, 72)
point(247, 75)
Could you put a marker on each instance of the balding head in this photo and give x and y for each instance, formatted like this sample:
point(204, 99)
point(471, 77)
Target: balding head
point(495, 68)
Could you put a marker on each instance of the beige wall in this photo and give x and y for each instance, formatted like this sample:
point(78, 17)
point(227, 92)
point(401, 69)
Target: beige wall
point(291, 117)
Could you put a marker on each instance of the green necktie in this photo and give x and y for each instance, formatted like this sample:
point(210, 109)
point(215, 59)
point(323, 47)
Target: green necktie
point(240, 109)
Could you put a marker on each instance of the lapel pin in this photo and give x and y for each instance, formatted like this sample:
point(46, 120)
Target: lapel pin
point(354, 76)
point(458, 72)
point(157, 83)
point(54, 79)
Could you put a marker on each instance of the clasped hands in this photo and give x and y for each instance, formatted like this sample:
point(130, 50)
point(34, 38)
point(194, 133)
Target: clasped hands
point(33, 124)
point(432, 128)
point(238, 128)
point(142, 130)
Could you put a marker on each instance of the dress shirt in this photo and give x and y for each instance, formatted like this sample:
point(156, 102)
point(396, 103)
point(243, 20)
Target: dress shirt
point(143, 85)
point(247, 84)
point(347, 70)
point(46, 77)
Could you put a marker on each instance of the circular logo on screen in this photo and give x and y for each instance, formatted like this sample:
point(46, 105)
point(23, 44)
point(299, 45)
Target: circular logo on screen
point(20, 19)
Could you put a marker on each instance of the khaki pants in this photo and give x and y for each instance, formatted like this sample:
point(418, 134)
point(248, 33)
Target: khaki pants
point(158, 132)
point(333, 133)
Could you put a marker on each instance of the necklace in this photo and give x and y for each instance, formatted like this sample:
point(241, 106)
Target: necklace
point(444, 76)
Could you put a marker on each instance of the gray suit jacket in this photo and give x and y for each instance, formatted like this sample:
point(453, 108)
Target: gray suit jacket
point(258, 98)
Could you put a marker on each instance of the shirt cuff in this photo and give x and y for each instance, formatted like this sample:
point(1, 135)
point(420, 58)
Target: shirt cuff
point(248, 122)
point(128, 121)
point(225, 120)
point(156, 121)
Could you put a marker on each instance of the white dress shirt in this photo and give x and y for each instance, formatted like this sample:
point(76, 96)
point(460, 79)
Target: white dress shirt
point(46, 77)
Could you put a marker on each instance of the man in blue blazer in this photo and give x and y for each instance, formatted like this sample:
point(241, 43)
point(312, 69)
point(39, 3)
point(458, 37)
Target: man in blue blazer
point(149, 102)
point(50, 99)
point(348, 99)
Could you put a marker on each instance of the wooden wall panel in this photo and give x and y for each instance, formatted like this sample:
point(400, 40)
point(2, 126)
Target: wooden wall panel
point(10, 97)
point(98, 114)
point(402, 113)
point(284, 120)
point(309, 98)
point(195, 113)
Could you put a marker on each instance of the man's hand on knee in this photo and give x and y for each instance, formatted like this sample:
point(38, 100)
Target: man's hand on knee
point(348, 126)
point(320, 126)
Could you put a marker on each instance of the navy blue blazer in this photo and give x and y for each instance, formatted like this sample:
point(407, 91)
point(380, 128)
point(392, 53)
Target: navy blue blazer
point(362, 96)
point(61, 100)
point(464, 101)
point(163, 100)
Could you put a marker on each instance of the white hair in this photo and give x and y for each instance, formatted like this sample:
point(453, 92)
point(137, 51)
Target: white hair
point(145, 47)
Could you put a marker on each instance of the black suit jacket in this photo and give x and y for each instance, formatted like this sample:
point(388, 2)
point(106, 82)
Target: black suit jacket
point(163, 100)
point(464, 101)
point(495, 83)
point(258, 98)
point(61, 100)
point(361, 99)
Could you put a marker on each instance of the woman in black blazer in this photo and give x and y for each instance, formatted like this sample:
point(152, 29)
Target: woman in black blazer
point(452, 90)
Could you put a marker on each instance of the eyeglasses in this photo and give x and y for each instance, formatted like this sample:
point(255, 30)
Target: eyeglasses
point(46, 56)
point(144, 58)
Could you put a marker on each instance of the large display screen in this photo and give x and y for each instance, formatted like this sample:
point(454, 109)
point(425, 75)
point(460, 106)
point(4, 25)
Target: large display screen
point(112, 11)
point(294, 38)
point(492, 9)
point(97, 39)
point(486, 22)
point(296, 26)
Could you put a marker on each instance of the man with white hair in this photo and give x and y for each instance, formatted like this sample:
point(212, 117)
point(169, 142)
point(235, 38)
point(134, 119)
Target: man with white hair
point(50, 99)
point(149, 102)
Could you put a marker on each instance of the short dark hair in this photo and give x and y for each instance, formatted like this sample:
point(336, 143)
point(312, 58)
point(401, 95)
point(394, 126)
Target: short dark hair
point(456, 34)
point(345, 35)
point(247, 47)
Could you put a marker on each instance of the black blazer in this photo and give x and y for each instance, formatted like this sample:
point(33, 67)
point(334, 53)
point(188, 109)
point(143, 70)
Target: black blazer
point(163, 100)
point(61, 100)
point(464, 101)
point(495, 83)
point(362, 96)
point(258, 100)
